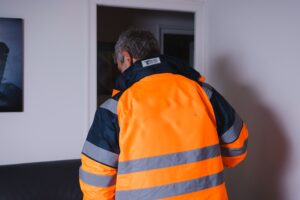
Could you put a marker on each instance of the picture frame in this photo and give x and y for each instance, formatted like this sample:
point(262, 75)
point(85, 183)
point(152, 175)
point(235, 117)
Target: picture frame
point(11, 65)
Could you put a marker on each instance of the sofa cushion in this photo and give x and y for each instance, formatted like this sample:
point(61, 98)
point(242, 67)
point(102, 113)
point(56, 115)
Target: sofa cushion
point(55, 180)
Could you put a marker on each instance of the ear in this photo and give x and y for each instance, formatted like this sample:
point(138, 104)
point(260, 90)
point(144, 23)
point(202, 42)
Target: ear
point(128, 59)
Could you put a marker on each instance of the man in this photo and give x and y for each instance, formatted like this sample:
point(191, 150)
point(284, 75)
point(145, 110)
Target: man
point(164, 134)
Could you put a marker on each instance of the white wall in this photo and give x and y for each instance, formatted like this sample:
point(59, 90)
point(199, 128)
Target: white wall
point(254, 49)
point(53, 124)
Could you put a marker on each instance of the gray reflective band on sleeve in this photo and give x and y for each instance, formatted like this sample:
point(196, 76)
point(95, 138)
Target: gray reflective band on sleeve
point(169, 159)
point(229, 152)
point(234, 131)
point(96, 180)
point(100, 155)
point(208, 89)
point(111, 105)
point(175, 189)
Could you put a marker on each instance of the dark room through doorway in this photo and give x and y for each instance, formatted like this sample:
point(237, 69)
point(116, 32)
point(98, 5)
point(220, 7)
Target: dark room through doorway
point(173, 30)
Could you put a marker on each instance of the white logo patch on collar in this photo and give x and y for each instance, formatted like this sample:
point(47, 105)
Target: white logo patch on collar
point(151, 61)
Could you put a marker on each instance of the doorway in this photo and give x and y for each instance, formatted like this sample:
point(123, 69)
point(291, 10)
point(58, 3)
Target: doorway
point(173, 30)
point(196, 7)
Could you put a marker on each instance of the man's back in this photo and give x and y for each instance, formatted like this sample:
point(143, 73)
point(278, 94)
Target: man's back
point(164, 135)
point(167, 138)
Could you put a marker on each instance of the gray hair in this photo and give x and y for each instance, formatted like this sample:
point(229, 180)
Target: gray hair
point(138, 43)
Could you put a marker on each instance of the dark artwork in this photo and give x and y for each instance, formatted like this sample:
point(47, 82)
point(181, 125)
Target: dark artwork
point(11, 65)
point(180, 46)
point(107, 71)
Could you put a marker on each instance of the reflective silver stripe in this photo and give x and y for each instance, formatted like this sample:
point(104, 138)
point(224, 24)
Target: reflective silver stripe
point(175, 189)
point(111, 105)
point(208, 89)
point(168, 160)
point(96, 180)
point(229, 152)
point(100, 155)
point(234, 131)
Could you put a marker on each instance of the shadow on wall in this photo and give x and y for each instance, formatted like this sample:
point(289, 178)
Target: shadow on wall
point(260, 176)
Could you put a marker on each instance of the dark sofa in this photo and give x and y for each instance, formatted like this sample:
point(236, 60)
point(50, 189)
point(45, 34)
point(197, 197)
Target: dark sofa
point(55, 180)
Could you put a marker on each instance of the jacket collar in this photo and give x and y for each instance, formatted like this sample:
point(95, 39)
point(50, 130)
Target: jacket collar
point(154, 65)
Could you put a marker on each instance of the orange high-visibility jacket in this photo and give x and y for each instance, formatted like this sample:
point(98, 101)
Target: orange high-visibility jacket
point(166, 134)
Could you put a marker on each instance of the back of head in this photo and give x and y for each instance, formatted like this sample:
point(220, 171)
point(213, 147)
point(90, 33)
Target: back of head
point(138, 43)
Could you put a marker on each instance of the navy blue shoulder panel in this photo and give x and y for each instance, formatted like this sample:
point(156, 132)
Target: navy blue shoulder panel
point(224, 113)
point(104, 131)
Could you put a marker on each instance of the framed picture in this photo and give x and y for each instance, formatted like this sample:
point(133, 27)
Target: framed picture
point(11, 65)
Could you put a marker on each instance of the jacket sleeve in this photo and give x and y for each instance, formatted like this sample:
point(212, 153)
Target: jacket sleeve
point(232, 131)
point(99, 157)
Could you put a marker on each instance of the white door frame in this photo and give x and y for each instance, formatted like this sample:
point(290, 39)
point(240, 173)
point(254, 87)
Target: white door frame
point(195, 6)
